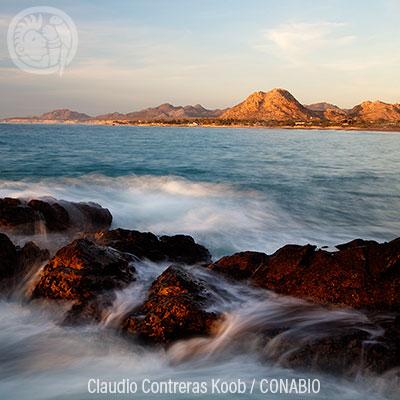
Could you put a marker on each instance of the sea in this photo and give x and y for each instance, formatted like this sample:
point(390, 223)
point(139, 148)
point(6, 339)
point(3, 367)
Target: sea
point(232, 189)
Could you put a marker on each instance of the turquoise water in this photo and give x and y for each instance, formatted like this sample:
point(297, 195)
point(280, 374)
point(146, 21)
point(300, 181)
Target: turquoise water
point(233, 189)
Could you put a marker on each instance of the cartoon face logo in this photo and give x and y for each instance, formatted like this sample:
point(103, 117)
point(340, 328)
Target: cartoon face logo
point(42, 40)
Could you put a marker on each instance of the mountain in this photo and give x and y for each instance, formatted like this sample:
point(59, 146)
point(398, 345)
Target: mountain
point(376, 111)
point(165, 111)
point(323, 106)
point(64, 115)
point(275, 105)
point(329, 112)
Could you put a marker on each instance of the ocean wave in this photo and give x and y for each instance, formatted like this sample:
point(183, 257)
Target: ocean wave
point(221, 216)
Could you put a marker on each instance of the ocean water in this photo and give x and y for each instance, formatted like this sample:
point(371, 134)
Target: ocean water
point(231, 189)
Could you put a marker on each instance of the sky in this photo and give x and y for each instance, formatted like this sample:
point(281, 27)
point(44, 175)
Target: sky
point(134, 54)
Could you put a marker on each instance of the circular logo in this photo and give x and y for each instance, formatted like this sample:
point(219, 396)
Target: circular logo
point(42, 40)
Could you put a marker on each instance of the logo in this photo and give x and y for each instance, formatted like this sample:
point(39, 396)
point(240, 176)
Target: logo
point(42, 40)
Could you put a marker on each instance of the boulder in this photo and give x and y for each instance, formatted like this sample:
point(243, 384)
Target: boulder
point(30, 256)
point(8, 257)
point(55, 216)
point(179, 248)
point(16, 216)
point(176, 308)
point(361, 274)
point(240, 265)
point(17, 262)
point(86, 275)
point(21, 217)
point(346, 351)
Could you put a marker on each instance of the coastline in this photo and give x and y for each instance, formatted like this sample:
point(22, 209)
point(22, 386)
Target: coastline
point(188, 124)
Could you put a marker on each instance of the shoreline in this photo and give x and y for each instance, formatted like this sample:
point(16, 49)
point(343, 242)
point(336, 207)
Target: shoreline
point(198, 125)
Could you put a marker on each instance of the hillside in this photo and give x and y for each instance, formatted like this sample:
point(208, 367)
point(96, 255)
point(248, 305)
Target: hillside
point(64, 115)
point(376, 111)
point(165, 111)
point(275, 105)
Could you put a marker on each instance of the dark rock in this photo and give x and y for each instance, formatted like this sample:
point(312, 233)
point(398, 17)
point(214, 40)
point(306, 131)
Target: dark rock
point(141, 244)
point(183, 249)
point(91, 216)
point(240, 265)
point(347, 351)
point(178, 248)
point(16, 263)
point(361, 274)
point(55, 216)
point(355, 243)
point(21, 217)
point(82, 270)
point(8, 257)
point(176, 308)
point(30, 256)
point(16, 216)
point(89, 311)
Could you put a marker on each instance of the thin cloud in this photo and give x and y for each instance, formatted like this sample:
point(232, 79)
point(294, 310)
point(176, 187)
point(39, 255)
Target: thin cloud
point(298, 42)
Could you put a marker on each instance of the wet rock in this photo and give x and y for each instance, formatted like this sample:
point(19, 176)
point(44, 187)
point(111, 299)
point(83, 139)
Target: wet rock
point(179, 248)
point(240, 265)
point(176, 308)
point(17, 263)
point(8, 257)
point(83, 270)
point(183, 249)
point(92, 217)
point(22, 217)
point(16, 216)
point(348, 351)
point(89, 311)
point(361, 274)
point(55, 217)
point(30, 256)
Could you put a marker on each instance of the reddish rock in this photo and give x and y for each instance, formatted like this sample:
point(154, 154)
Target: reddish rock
point(361, 274)
point(240, 265)
point(179, 248)
point(176, 308)
point(21, 217)
point(82, 270)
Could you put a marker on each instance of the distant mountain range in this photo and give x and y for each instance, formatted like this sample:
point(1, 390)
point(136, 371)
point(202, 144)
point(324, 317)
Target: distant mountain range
point(277, 105)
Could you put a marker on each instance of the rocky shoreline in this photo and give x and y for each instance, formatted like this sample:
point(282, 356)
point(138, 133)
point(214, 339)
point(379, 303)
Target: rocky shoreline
point(98, 261)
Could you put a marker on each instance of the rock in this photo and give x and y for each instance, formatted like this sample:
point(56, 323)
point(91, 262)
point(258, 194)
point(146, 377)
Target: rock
point(347, 351)
point(176, 308)
point(21, 217)
point(16, 263)
point(8, 257)
point(55, 217)
point(183, 249)
point(16, 216)
point(29, 256)
point(240, 265)
point(361, 274)
point(179, 248)
point(93, 217)
point(86, 274)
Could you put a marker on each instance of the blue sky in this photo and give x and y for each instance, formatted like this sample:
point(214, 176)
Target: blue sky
point(140, 53)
